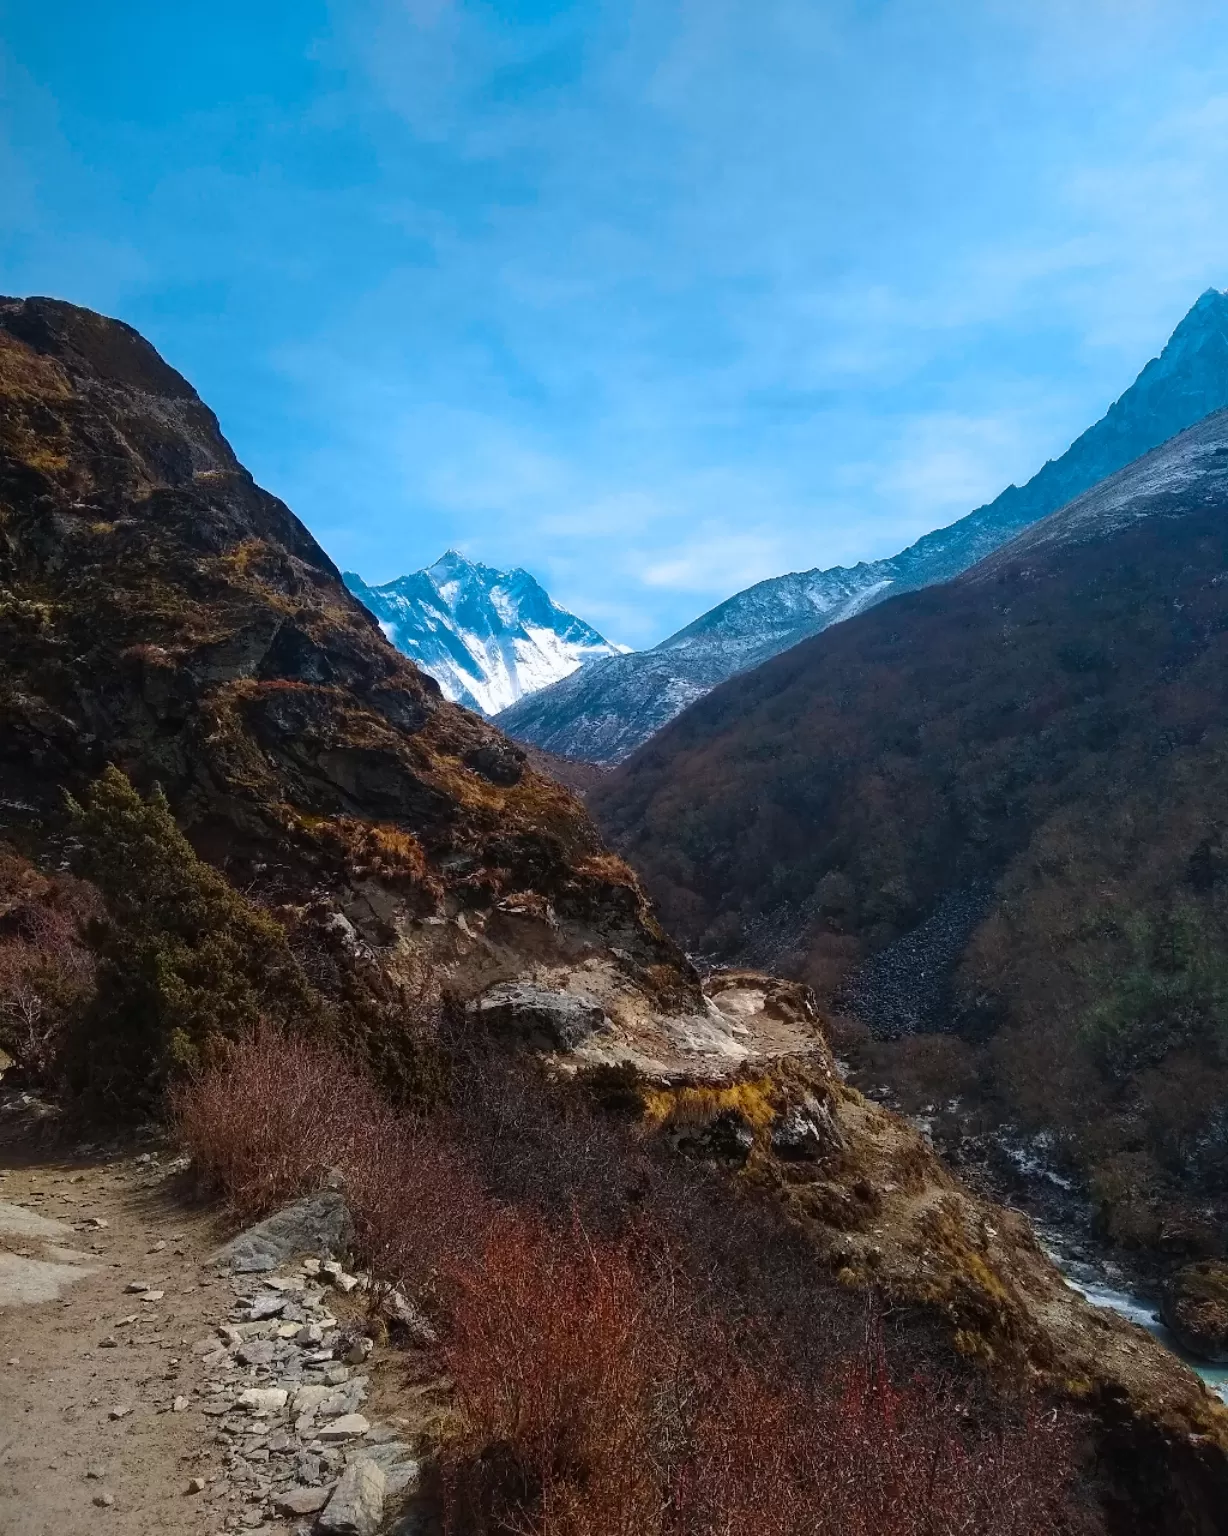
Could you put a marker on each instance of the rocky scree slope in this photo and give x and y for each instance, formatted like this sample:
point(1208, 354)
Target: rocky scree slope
point(161, 612)
point(487, 637)
point(995, 809)
point(604, 714)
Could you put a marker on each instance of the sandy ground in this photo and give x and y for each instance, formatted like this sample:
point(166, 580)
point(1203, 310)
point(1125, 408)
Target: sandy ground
point(70, 1362)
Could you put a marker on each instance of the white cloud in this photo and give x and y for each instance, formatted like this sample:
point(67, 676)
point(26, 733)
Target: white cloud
point(660, 297)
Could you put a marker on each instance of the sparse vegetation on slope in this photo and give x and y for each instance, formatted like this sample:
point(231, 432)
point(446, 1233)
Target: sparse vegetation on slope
point(995, 809)
point(613, 1371)
point(160, 612)
point(184, 961)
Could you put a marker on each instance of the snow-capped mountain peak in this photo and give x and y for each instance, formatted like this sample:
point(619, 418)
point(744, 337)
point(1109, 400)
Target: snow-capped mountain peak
point(604, 714)
point(487, 637)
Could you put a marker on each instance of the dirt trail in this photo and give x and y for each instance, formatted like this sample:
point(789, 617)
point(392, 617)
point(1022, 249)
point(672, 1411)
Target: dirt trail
point(67, 1365)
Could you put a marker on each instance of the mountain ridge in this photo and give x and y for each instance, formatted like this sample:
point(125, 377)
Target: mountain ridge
point(159, 611)
point(989, 812)
point(606, 714)
point(487, 637)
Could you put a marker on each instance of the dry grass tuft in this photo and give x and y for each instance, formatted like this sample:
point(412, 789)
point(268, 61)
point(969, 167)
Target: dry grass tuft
point(693, 1108)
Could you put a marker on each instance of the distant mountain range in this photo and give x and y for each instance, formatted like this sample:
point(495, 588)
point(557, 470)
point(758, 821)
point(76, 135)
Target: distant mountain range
point(603, 713)
point(994, 809)
point(487, 637)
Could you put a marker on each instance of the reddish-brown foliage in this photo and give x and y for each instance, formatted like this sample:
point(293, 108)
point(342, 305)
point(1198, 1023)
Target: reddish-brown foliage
point(558, 1354)
point(602, 1401)
point(638, 1382)
point(271, 1117)
point(46, 968)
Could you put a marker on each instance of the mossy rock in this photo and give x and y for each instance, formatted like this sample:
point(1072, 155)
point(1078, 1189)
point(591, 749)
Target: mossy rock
point(1195, 1309)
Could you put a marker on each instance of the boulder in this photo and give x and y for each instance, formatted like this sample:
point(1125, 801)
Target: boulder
point(350, 1426)
point(357, 1505)
point(1194, 1307)
point(398, 1308)
point(727, 1138)
point(539, 1016)
point(806, 1133)
point(301, 1501)
point(319, 1224)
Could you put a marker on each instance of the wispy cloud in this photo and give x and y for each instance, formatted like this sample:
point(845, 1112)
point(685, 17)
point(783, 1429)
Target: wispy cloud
point(656, 297)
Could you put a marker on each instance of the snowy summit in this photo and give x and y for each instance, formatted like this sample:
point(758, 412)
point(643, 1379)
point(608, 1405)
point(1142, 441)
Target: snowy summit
point(487, 637)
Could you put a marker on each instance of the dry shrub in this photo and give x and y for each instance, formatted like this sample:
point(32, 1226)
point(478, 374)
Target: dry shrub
point(600, 1401)
point(47, 971)
point(646, 1381)
point(418, 1207)
point(270, 1116)
point(557, 1359)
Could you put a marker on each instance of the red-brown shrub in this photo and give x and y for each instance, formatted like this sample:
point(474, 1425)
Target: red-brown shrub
point(271, 1116)
point(557, 1358)
point(600, 1401)
point(46, 968)
point(418, 1207)
point(614, 1385)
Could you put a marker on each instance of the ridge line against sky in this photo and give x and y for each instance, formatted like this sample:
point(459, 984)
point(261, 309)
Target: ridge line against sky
point(655, 299)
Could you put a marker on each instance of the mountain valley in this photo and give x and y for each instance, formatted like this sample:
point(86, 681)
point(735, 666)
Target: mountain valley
point(983, 820)
point(238, 827)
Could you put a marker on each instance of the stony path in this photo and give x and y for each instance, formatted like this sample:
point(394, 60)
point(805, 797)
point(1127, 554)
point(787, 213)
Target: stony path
point(141, 1392)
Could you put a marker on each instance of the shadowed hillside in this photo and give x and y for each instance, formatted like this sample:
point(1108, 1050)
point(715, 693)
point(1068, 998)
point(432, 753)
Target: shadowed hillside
point(605, 712)
point(161, 612)
point(996, 808)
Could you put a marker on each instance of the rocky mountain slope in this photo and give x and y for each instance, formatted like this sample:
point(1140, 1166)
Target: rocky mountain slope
point(487, 637)
point(994, 809)
point(604, 714)
point(159, 611)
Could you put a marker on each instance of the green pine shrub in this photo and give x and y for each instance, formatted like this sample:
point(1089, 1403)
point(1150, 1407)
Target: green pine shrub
point(184, 960)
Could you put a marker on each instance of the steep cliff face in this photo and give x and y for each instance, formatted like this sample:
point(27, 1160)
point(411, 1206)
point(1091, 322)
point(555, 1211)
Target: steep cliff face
point(160, 611)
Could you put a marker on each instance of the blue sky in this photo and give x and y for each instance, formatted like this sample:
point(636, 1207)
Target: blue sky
point(655, 298)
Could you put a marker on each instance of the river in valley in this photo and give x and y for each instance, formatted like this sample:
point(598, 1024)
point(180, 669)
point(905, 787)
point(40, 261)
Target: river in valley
point(1092, 1284)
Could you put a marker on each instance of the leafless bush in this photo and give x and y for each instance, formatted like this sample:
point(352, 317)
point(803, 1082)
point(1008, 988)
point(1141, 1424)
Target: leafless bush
point(270, 1116)
point(601, 1402)
point(557, 1358)
point(640, 1374)
point(418, 1207)
point(46, 968)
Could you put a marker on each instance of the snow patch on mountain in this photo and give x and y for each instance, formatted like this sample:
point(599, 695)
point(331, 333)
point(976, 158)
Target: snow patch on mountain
point(487, 637)
point(605, 713)
point(1160, 484)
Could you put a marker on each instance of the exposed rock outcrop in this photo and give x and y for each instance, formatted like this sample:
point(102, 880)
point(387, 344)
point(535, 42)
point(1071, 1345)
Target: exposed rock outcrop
point(1194, 1305)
